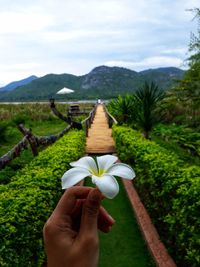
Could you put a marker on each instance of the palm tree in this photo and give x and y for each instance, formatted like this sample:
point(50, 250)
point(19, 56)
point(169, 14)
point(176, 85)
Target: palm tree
point(147, 99)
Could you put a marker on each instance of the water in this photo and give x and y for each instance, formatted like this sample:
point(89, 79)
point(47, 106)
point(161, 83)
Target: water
point(47, 102)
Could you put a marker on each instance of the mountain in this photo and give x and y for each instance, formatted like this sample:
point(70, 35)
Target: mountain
point(11, 86)
point(163, 75)
point(171, 71)
point(102, 82)
point(42, 88)
point(108, 76)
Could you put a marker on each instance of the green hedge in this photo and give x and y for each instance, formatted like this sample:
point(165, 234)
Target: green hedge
point(169, 191)
point(28, 200)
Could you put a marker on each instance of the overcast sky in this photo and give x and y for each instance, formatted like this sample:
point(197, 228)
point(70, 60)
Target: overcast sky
point(74, 36)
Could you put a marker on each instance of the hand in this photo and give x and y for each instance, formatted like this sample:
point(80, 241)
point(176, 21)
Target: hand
point(71, 233)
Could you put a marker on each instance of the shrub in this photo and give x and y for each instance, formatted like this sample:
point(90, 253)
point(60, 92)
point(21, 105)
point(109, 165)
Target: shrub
point(3, 129)
point(20, 118)
point(169, 190)
point(122, 108)
point(185, 137)
point(28, 200)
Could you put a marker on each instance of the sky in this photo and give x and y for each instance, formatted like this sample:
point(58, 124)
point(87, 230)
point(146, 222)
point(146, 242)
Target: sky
point(74, 36)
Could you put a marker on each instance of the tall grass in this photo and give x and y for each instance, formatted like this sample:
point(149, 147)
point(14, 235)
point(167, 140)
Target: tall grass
point(39, 118)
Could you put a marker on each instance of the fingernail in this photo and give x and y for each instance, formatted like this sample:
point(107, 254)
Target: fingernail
point(112, 220)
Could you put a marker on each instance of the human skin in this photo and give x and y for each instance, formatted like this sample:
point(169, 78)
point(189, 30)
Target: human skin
point(71, 232)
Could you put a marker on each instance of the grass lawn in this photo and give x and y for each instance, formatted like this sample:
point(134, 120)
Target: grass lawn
point(124, 245)
point(40, 128)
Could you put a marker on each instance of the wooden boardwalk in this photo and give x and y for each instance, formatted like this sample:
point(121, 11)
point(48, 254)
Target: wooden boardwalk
point(99, 140)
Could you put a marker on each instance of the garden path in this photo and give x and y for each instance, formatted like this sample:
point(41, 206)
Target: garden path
point(99, 140)
point(125, 244)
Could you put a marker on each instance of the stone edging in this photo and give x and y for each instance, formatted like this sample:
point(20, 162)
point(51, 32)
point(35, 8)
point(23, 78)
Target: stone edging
point(156, 247)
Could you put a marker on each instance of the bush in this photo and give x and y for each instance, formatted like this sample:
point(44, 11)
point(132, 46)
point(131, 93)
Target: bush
point(28, 200)
point(20, 118)
point(3, 129)
point(169, 190)
point(185, 137)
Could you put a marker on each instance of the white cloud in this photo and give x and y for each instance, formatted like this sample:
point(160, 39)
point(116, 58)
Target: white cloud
point(21, 22)
point(178, 50)
point(74, 36)
point(151, 62)
point(19, 66)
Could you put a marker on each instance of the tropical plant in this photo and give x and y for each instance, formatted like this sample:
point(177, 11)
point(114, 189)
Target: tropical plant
point(147, 99)
point(122, 108)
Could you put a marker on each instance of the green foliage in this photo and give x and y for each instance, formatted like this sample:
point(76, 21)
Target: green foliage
point(3, 129)
point(186, 94)
point(139, 109)
point(181, 135)
point(28, 200)
point(195, 39)
point(122, 108)
point(20, 118)
point(147, 99)
point(169, 190)
point(18, 163)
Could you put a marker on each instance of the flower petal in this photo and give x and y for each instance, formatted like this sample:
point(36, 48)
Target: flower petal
point(73, 176)
point(107, 184)
point(122, 170)
point(86, 163)
point(105, 162)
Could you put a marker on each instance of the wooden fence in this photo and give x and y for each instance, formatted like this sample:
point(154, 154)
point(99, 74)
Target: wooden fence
point(34, 142)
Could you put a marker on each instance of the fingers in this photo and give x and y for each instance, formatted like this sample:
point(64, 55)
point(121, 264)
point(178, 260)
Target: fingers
point(90, 213)
point(72, 202)
point(105, 221)
point(67, 202)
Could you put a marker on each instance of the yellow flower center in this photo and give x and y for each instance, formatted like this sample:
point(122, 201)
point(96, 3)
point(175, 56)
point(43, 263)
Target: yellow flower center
point(97, 173)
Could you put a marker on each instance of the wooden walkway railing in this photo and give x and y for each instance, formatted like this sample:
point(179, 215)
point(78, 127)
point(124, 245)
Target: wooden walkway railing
point(99, 138)
point(36, 141)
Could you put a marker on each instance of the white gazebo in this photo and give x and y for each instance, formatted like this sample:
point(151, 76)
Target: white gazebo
point(65, 91)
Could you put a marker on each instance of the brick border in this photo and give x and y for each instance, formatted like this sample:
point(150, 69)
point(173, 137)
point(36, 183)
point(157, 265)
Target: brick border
point(155, 246)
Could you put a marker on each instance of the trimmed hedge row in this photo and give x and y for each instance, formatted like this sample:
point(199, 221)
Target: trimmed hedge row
point(28, 200)
point(169, 191)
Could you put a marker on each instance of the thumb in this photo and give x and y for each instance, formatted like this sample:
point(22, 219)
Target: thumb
point(90, 213)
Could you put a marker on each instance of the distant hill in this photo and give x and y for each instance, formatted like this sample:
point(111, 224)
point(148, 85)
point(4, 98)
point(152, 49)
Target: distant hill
point(13, 85)
point(163, 75)
point(102, 82)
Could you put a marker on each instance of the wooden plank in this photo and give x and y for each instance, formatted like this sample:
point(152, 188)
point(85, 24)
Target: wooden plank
point(99, 140)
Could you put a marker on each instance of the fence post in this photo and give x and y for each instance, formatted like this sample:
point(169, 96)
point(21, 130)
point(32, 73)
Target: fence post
point(68, 119)
point(30, 137)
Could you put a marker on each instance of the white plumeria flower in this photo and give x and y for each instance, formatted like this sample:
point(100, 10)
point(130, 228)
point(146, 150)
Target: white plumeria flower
point(101, 173)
